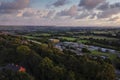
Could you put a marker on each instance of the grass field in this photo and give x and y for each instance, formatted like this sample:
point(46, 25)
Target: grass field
point(109, 55)
point(97, 37)
point(42, 34)
point(68, 38)
point(31, 37)
point(83, 41)
point(39, 34)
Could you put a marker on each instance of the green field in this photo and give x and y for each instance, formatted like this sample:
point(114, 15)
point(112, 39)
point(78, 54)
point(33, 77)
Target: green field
point(109, 55)
point(31, 37)
point(39, 34)
point(42, 34)
point(97, 37)
point(68, 38)
point(83, 41)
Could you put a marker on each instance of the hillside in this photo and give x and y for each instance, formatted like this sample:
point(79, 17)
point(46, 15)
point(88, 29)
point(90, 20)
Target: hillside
point(43, 62)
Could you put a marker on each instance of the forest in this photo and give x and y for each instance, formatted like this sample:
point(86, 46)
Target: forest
point(45, 62)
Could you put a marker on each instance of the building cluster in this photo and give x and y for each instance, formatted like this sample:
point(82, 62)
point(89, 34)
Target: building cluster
point(77, 47)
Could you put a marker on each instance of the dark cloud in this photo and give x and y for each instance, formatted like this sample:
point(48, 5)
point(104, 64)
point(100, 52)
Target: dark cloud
point(60, 3)
point(104, 6)
point(85, 14)
point(107, 5)
point(70, 12)
point(82, 15)
point(115, 5)
point(108, 13)
point(50, 14)
point(28, 14)
point(37, 13)
point(108, 9)
point(8, 7)
point(90, 4)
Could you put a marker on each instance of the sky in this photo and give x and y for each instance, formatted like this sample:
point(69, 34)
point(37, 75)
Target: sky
point(60, 12)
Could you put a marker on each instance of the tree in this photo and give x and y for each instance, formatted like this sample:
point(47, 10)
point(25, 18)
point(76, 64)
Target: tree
point(107, 73)
point(85, 50)
point(71, 75)
point(23, 50)
point(58, 73)
point(11, 75)
point(45, 69)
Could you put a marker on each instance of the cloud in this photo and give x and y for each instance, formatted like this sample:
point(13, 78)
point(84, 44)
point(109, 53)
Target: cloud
point(115, 5)
point(83, 14)
point(36, 13)
point(70, 12)
point(108, 13)
point(9, 7)
point(87, 14)
point(108, 10)
point(59, 3)
point(104, 6)
point(92, 12)
point(30, 12)
point(107, 5)
point(90, 4)
point(50, 14)
point(114, 18)
point(105, 9)
point(96, 14)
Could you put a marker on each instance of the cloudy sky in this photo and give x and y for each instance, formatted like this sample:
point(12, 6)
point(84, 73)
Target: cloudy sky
point(60, 12)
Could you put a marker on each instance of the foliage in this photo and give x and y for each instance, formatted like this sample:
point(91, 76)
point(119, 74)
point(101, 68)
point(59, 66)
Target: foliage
point(45, 63)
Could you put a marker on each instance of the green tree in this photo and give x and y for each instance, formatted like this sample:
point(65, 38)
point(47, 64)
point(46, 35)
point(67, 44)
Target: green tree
point(71, 75)
point(11, 75)
point(85, 50)
point(23, 50)
point(107, 73)
point(45, 69)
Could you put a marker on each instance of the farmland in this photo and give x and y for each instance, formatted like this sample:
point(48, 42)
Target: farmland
point(101, 46)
